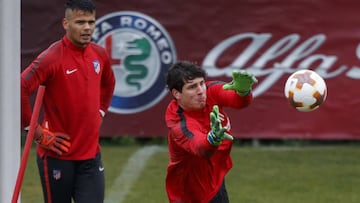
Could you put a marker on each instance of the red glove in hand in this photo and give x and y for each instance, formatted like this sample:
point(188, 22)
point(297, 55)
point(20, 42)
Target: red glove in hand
point(56, 142)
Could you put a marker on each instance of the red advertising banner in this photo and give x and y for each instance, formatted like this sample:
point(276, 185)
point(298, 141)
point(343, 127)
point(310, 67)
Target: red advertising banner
point(271, 39)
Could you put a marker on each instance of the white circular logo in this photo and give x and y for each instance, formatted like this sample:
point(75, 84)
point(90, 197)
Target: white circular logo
point(141, 52)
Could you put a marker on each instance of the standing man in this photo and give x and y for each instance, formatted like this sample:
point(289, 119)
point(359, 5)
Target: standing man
point(79, 85)
point(199, 138)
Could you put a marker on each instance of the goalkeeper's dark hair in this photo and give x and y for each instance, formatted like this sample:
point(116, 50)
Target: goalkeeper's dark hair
point(83, 5)
point(181, 72)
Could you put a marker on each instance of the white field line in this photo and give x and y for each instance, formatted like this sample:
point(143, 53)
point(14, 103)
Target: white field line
point(136, 163)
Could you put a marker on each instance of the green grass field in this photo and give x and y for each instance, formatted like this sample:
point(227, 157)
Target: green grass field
point(292, 174)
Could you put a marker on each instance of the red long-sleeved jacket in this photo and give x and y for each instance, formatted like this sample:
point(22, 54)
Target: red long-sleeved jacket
point(197, 169)
point(79, 82)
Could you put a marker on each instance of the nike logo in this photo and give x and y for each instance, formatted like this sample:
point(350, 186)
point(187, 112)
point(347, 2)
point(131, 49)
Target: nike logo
point(68, 72)
point(101, 168)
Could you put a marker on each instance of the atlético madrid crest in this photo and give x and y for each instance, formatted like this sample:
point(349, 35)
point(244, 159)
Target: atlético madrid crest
point(141, 52)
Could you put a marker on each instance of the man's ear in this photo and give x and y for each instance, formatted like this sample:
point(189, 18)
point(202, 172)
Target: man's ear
point(65, 24)
point(175, 93)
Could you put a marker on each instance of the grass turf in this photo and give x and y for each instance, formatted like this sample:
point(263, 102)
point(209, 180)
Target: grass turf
point(311, 174)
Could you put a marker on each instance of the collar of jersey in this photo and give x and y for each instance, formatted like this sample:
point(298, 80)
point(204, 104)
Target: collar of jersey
point(69, 44)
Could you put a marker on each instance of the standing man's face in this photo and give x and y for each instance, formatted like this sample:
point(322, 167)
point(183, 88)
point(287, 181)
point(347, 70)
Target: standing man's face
point(193, 95)
point(79, 26)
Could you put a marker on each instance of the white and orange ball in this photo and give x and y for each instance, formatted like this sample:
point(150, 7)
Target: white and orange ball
point(305, 90)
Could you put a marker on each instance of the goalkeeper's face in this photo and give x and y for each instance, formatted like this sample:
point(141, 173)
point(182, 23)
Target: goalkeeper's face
point(193, 95)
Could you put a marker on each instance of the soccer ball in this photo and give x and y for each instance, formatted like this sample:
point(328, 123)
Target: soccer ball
point(305, 90)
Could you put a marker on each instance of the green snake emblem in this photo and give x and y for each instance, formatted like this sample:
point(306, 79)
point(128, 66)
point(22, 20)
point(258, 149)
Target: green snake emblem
point(138, 71)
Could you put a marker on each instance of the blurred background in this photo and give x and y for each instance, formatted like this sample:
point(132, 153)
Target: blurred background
point(270, 38)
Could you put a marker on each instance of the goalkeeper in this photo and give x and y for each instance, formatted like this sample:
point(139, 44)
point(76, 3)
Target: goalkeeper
point(199, 138)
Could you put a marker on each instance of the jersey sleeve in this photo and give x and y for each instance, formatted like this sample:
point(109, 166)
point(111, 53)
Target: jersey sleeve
point(107, 83)
point(189, 134)
point(34, 75)
point(228, 98)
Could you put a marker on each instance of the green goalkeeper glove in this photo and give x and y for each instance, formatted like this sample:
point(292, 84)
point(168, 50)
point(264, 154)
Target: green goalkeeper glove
point(217, 133)
point(242, 82)
point(56, 142)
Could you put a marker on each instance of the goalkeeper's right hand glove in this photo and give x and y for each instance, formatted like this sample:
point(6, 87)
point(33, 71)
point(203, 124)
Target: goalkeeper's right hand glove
point(56, 142)
point(217, 133)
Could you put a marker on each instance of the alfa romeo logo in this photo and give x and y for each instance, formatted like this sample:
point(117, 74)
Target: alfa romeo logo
point(141, 52)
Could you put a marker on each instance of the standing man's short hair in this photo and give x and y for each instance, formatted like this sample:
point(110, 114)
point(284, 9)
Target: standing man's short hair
point(83, 5)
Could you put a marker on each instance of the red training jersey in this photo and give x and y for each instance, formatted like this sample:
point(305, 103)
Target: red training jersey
point(197, 169)
point(79, 83)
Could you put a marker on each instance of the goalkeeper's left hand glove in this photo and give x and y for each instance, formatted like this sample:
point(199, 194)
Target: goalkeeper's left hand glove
point(217, 133)
point(242, 82)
